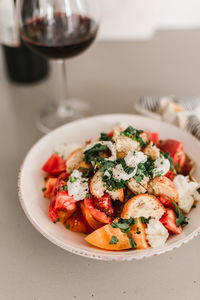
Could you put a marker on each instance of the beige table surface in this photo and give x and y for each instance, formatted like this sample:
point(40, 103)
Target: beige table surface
point(111, 76)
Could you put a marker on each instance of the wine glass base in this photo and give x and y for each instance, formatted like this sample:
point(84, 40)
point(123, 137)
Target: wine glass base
point(53, 116)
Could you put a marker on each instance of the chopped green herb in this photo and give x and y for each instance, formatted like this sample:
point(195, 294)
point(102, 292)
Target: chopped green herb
point(105, 137)
point(44, 189)
point(138, 230)
point(132, 243)
point(92, 153)
point(181, 219)
point(168, 156)
point(89, 196)
point(57, 220)
point(64, 188)
point(85, 172)
point(114, 240)
point(68, 226)
point(144, 220)
point(72, 179)
point(126, 168)
point(74, 215)
point(123, 226)
point(112, 183)
point(107, 165)
point(134, 134)
point(194, 206)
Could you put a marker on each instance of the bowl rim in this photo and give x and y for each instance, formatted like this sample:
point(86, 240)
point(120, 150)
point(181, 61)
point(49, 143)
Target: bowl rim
point(114, 256)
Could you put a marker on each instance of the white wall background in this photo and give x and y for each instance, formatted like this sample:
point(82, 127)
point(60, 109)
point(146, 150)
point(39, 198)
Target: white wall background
point(139, 19)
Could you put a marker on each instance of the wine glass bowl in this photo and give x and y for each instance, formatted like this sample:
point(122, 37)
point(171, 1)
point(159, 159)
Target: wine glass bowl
point(59, 29)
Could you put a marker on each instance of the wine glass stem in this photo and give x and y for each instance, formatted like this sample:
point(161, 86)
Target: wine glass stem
point(61, 79)
point(64, 108)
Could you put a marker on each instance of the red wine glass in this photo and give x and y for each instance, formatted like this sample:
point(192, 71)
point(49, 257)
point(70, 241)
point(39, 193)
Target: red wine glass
point(59, 29)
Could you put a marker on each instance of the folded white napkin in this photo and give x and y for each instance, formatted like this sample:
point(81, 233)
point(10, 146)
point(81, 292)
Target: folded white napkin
point(184, 113)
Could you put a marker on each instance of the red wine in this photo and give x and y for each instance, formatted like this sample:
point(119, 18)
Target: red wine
point(61, 37)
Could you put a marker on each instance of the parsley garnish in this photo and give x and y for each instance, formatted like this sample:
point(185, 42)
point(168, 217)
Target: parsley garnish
point(134, 134)
point(181, 219)
point(89, 196)
point(131, 132)
point(132, 243)
point(144, 220)
point(72, 179)
point(144, 169)
point(114, 240)
point(113, 184)
point(168, 156)
point(44, 189)
point(64, 188)
point(105, 137)
point(68, 226)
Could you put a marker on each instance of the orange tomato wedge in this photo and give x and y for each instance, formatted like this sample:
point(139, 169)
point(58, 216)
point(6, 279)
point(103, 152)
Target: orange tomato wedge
point(89, 218)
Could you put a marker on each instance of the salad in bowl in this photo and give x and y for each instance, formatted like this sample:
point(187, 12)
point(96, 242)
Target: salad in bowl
point(126, 189)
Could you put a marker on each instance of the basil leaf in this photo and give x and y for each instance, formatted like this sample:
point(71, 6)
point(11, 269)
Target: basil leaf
point(126, 168)
point(105, 137)
point(92, 153)
point(114, 240)
point(132, 243)
point(181, 219)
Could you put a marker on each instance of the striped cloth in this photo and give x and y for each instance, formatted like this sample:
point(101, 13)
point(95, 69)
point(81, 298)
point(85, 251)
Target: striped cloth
point(184, 113)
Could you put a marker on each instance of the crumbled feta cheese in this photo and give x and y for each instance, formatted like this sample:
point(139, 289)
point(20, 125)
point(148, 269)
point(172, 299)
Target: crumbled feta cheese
point(119, 173)
point(77, 185)
point(110, 146)
point(132, 160)
point(107, 173)
point(162, 166)
point(157, 234)
point(187, 192)
point(64, 150)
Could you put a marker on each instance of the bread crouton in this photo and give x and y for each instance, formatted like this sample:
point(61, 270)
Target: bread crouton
point(143, 205)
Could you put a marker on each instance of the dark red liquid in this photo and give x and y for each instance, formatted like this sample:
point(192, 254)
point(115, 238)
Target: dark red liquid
point(61, 37)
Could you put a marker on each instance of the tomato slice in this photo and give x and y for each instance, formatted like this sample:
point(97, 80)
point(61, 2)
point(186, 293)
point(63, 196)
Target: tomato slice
point(63, 200)
point(60, 183)
point(89, 218)
point(169, 221)
point(166, 201)
point(170, 174)
point(153, 136)
point(54, 165)
point(52, 212)
point(101, 209)
point(176, 150)
point(77, 223)
point(60, 198)
point(110, 134)
point(49, 185)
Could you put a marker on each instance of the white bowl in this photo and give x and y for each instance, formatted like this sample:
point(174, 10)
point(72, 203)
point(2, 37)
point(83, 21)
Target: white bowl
point(36, 207)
